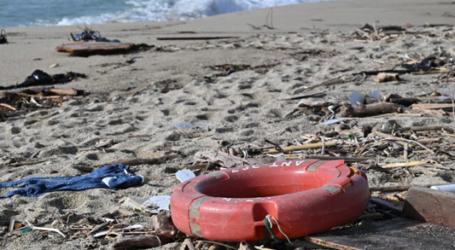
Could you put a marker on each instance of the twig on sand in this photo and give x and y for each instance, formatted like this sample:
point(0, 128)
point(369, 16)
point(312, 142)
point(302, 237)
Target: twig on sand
point(328, 83)
point(45, 229)
point(277, 147)
point(195, 38)
point(404, 164)
point(266, 25)
point(329, 244)
point(7, 106)
point(24, 163)
point(410, 141)
point(98, 227)
point(388, 137)
point(302, 147)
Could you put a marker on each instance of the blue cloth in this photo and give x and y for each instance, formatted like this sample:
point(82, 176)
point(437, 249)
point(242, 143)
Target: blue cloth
point(113, 177)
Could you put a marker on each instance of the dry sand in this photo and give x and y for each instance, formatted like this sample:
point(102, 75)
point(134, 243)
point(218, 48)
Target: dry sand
point(128, 114)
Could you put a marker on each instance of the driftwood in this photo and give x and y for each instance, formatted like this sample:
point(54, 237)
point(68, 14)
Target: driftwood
point(303, 147)
point(7, 106)
point(443, 106)
point(33, 227)
point(333, 158)
point(326, 243)
point(403, 101)
point(369, 109)
point(319, 94)
point(167, 38)
point(390, 189)
point(313, 104)
point(162, 221)
point(328, 83)
point(419, 129)
point(99, 227)
point(404, 164)
point(387, 71)
point(386, 77)
point(91, 48)
point(143, 241)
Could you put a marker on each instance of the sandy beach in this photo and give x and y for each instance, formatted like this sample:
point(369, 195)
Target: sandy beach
point(167, 103)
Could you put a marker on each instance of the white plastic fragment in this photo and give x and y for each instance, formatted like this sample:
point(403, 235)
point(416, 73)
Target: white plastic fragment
point(128, 228)
point(333, 121)
point(445, 188)
point(276, 155)
point(356, 98)
point(160, 202)
point(184, 175)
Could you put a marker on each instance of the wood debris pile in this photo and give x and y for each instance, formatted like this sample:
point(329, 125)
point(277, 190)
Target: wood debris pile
point(16, 103)
point(371, 32)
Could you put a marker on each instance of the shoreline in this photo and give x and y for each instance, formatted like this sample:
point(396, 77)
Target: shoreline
point(29, 44)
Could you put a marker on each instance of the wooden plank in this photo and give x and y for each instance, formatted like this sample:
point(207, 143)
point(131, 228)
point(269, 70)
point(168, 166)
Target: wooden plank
point(398, 233)
point(90, 48)
point(430, 205)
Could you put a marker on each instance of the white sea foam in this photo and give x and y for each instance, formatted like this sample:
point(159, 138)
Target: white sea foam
point(164, 10)
point(50, 12)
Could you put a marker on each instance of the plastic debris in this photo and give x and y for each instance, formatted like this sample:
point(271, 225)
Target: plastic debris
point(128, 228)
point(445, 188)
point(375, 94)
point(157, 203)
point(333, 121)
point(356, 98)
point(450, 93)
point(184, 175)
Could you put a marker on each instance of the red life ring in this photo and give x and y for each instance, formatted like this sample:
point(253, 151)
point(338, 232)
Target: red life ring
point(301, 196)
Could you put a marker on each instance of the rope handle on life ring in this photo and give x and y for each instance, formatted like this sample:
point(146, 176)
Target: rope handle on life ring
point(268, 223)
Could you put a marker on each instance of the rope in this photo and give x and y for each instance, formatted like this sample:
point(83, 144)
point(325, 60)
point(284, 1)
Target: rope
point(269, 225)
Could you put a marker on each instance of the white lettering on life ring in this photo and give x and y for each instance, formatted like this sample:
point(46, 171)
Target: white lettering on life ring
point(298, 163)
point(273, 165)
point(286, 163)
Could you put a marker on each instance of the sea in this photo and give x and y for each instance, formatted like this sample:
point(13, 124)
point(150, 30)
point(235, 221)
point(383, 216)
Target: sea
point(18, 13)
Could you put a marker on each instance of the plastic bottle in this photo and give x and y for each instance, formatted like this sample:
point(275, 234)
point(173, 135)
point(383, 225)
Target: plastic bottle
point(445, 188)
